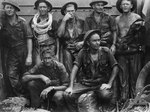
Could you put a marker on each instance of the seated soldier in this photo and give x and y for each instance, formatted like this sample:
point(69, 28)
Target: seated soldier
point(46, 80)
point(97, 70)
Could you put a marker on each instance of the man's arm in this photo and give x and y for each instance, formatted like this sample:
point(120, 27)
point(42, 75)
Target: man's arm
point(113, 75)
point(77, 65)
point(113, 26)
point(113, 47)
point(86, 25)
point(69, 90)
point(114, 37)
point(114, 65)
point(29, 55)
point(62, 77)
point(29, 77)
point(2, 18)
point(115, 68)
point(73, 75)
point(61, 29)
point(29, 36)
point(33, 74)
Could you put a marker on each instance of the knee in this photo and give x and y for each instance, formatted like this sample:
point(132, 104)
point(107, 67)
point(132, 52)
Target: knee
point(83, 99)
point(66, 96)
point(69, 97)
point(87, 102)
point(58, 96)
point(105, 95)
point(31, 85)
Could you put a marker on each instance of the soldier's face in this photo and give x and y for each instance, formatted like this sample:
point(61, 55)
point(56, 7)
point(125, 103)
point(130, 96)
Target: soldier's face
point(43, 9)
point(94, 41)
point(98, 7)
point(71, 10)
point(9, 10)
point(47, 60)
point(126, 6)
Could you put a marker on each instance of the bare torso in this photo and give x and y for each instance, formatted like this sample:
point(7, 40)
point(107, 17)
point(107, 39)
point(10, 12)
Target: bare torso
point(124, 22)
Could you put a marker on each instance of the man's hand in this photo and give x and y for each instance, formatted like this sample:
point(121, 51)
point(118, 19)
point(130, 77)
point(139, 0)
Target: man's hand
point(46, 80)
point(69, 90)
point(106, 35)
point(67, 17)
point(28, 61)
point(113, 49)
point(79, 45)
point(44, 93)
point(105, 86)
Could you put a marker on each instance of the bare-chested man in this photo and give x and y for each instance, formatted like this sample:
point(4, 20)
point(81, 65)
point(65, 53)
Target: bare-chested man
point(127, 17)
point(130, 63)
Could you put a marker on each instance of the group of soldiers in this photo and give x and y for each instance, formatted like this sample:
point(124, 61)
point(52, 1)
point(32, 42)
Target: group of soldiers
point(72, 65)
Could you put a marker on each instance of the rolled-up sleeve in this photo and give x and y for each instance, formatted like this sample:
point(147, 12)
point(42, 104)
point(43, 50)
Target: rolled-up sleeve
point(63, 75)
point(79, 59)
point(113, 25)
point(32, 71)
point(27, 30)
point(112, 60)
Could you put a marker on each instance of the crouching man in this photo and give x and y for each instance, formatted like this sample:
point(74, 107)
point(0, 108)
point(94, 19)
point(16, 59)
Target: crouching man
point(46, 80)
point(96, 69)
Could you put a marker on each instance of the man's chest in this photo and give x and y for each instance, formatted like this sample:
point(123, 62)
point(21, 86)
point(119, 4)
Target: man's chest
point(124, 25)
point(50, 72)
point(126, 22)
point(99, 22)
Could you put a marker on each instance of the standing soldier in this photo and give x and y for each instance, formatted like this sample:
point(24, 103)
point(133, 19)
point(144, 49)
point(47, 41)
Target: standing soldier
point(17, 38)
point(69, 32)
point(44, 30)
point(130, 62)
point(104, 22)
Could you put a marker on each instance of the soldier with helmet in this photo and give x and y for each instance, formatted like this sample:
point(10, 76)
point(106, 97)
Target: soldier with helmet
point(16, 38)
point(129, 44)
point(104, 23)
point(70, 34)
point(44, 29)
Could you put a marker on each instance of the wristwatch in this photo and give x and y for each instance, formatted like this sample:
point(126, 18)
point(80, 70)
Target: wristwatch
point(114, 44)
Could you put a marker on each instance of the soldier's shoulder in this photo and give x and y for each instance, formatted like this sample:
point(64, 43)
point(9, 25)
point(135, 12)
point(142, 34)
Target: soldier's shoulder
point(105, 49)
point(58, 64)
point(137, 16)
point(21, 19)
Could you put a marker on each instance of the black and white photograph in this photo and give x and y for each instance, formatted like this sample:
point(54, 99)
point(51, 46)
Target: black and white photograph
point(74, 55)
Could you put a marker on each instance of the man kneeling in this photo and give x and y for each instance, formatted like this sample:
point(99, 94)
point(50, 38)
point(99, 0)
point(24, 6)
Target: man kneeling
point(96, 69)
point(49, 78)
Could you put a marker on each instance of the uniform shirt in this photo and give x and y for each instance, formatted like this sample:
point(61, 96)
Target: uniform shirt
point(56, 71)
point(17, 34)
point(106, 24)
point(98, 71)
